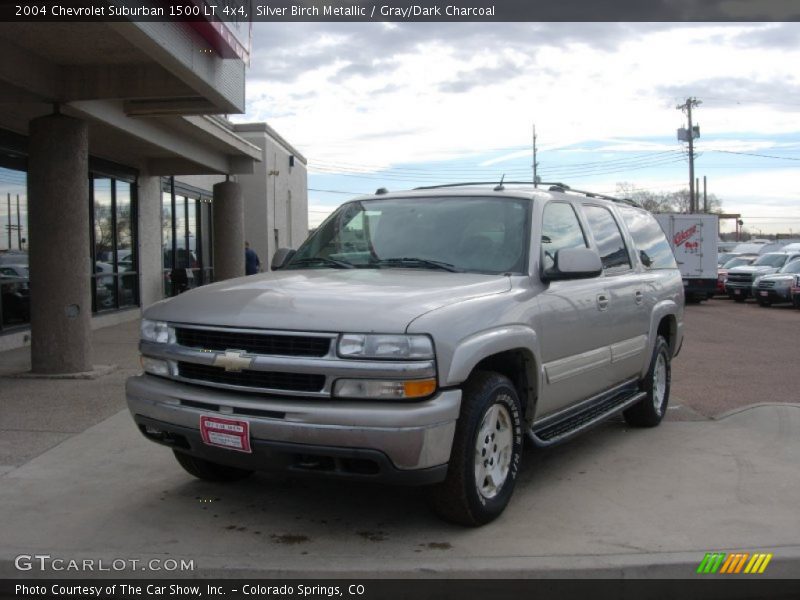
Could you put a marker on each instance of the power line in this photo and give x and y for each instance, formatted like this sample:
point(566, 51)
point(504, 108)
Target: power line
point(754, 154)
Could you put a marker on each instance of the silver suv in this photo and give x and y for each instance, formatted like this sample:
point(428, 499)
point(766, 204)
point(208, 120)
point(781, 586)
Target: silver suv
point(417, 337)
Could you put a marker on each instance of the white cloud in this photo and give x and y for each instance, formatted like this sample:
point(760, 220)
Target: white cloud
point(373, 97)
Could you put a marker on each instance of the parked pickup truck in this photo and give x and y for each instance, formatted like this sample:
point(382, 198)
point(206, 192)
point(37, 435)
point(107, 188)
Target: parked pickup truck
point(416, 337)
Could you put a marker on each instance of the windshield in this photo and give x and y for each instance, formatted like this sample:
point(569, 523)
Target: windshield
point(481, 235)
point(792, 267)
point(738, 262)
point(771, 260)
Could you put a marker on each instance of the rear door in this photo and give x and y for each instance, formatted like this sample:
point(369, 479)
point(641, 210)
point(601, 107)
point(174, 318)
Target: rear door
point(627, 321)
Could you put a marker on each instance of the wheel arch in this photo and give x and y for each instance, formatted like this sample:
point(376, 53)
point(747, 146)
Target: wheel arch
point(510, 351)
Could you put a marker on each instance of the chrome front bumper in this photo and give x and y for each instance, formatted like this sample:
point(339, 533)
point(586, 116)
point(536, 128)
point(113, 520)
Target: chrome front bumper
point(412, 435)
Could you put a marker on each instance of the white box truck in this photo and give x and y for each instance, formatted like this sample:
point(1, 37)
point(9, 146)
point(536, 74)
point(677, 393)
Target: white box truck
point(693, 238)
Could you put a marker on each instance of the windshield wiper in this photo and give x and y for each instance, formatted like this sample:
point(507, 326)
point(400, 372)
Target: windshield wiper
point(311, 260)
point(416, 262)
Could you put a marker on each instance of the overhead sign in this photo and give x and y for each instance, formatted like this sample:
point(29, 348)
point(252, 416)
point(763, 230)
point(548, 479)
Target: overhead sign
point(226, 27)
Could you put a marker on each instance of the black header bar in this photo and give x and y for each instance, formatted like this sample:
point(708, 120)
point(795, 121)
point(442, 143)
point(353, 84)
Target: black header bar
point(400, 10)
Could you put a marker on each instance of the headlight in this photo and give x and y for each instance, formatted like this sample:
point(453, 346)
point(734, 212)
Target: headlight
point(382, 390)
point(358, 345)
point(155, 331)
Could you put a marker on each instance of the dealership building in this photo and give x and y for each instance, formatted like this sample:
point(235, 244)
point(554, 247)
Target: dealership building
point(123, 182)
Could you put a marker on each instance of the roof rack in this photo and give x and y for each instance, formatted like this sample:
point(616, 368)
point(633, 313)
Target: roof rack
point(553, 187)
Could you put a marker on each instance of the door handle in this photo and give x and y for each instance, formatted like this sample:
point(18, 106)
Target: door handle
point(602, 302)
point(638, 297)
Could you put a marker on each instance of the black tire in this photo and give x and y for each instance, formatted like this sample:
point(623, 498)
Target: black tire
point(739, 299)
point(651, 409)
point(209, 471)
point(460, 499)
point(764, 303)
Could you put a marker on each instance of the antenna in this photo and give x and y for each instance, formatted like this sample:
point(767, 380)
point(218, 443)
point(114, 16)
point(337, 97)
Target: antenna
point(499, 187)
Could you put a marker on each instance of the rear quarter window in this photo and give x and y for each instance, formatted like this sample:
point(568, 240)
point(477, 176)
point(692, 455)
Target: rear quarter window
point(651, 244)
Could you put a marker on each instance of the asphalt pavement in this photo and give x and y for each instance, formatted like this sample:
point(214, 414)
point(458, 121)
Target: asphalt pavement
point(77, 481)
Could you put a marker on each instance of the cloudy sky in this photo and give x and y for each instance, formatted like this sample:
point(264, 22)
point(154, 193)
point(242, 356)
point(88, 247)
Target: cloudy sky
point(405, 104)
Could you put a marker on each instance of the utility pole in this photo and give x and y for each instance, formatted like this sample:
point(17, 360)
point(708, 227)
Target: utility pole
point(705, 196)
point(19, 227)
point(689, 136)
point(8, 202)
point(535, 164)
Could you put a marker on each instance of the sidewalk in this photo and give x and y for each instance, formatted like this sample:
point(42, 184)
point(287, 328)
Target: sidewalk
point(615, 502)
point(38, 414)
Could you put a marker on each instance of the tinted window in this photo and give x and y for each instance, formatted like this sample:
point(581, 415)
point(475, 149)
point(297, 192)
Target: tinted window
point(608, 237)
point(560, 229)
point(648, 237)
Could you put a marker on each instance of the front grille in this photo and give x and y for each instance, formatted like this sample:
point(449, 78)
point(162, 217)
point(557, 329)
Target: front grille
point(269, 344)
point(740, 277)
point(295, 382)
point(766, 284)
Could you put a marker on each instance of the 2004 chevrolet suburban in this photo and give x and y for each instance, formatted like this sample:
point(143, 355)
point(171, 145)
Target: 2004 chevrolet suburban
point(417, 337)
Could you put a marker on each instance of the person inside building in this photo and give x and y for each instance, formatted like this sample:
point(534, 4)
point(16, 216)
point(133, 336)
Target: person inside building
point(252, 264)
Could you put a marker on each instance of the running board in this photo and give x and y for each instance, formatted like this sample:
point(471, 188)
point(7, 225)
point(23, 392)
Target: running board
point(552, 432)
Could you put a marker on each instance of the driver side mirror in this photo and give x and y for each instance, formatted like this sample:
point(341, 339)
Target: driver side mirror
point(574, 263)
point(281, 257)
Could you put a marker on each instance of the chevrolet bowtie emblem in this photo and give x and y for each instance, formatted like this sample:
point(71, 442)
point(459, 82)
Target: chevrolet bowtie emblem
point(232, 360)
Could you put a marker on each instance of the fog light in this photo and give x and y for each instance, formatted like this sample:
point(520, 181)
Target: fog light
point(155, 366)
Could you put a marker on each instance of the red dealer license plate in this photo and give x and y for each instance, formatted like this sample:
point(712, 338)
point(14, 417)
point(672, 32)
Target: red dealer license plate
point(764, 294)
point(232, 434)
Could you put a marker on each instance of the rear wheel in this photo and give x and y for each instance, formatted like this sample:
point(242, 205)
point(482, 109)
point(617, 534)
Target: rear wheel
point(486, 455)
point(651, 409)
point(209, 471)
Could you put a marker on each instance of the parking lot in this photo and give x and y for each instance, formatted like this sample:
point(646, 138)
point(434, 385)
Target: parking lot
point(81, 482)
point(735, 355)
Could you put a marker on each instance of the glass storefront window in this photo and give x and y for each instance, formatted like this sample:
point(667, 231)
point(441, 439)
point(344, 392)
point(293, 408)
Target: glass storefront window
point(166, 240)
point(112, 216)
point(15, 300)
point(186, 238)
point(115, 279)
point(105, 290)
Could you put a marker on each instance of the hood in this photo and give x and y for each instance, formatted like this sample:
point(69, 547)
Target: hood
point(331, 300)
point(778, 277)
point(753, 269)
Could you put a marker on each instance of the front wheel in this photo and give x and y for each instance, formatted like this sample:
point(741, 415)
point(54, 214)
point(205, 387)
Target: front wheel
point(209, 471)
point(649, 411)
point(486, 454)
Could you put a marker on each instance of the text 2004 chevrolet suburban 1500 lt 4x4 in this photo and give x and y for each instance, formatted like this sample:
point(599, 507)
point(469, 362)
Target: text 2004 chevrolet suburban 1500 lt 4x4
point(416, 337)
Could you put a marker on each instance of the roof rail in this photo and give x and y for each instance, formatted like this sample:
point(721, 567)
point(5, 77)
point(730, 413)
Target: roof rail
point(553, 187)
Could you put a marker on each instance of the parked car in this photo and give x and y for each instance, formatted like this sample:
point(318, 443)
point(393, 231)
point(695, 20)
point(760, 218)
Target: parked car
point(795, 292)
point(740, 281)
point(777, 288)
point(737, 261)
point(15, 293)
point(461, 320)
point(13, 257)
point(724, 257)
